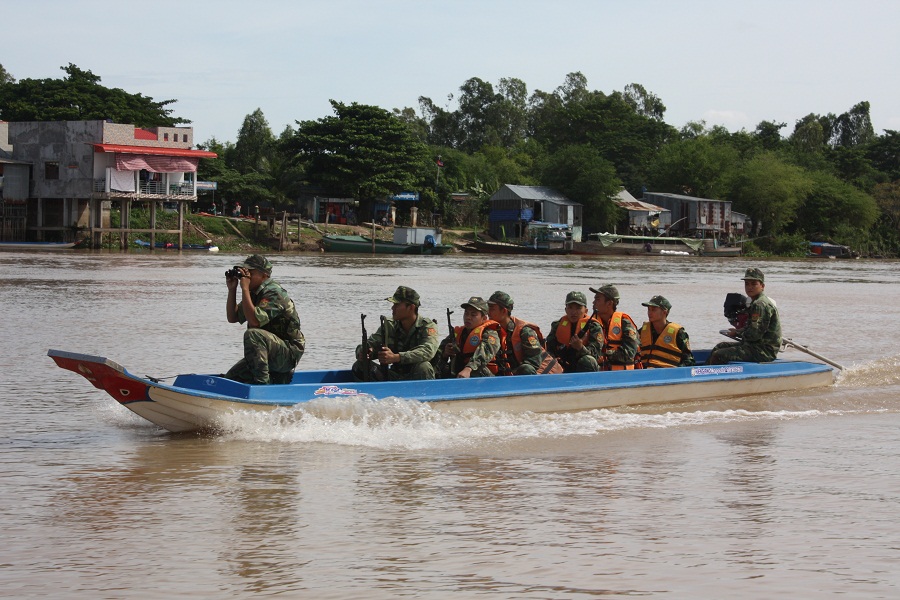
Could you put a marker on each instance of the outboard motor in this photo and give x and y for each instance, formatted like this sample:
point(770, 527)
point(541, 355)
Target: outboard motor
point(429, 241)
point(736, 312)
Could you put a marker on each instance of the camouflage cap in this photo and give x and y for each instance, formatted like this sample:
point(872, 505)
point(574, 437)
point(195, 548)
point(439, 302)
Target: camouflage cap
point(477, 303)
point(754, 273)
point(405, 294)
point(607, 290)
point(502, 299)
point(257, 262)
point(659, 301)
point(577, 298)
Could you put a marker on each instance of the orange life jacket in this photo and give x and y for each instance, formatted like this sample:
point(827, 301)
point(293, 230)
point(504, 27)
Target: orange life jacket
point(613, 337)
point(664, 352)
point(511, 348)
point(468, 346)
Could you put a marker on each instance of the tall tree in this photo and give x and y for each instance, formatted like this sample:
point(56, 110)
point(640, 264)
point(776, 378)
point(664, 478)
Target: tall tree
point(5, 76)
point(695, 167)
point(584, 176)
point(770, 191)
point(79, 96)
point(362, 151)
point(255, 146)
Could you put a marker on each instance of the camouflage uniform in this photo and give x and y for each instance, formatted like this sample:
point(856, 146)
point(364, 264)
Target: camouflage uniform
point(416, 348)
point(271, 351)
point(532, 351)
point(486, 350)
point(587, 358)
point(628, 349)
point(760, 339)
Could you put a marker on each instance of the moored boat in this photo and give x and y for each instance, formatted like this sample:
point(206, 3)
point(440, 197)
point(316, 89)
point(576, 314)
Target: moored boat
point(199, 402)
point(37, 245)
point(365, 245)
point(611, 243)
point(207, 247)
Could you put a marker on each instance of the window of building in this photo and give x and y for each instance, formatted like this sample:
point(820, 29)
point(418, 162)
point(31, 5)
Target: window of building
point(165, 137)
point(51, 170)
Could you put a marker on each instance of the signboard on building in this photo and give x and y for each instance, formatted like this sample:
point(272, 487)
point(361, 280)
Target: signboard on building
point(207, 185)
point(406, 197)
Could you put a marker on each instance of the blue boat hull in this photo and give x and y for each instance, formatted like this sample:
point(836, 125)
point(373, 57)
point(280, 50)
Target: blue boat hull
point(195, 402)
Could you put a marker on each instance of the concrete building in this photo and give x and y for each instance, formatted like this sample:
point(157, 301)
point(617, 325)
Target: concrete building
point(514, 206)
point(77, 171)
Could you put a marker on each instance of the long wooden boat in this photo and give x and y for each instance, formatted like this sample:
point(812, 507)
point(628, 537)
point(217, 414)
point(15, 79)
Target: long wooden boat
point(37, 245)
point(198, 402)
point(173, 246)
point(533, 247)
point(363, 245)
point(611, 243)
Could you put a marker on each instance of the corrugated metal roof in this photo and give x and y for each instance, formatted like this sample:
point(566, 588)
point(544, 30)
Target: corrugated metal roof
point(641, 206)
point(681, 197)
point(532, 192)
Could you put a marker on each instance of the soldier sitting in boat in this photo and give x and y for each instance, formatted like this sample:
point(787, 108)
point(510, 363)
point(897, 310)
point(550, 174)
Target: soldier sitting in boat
point(576, 340)
point(760, 338)
point(273, 342)
point(521, 343)
point(470, 349)
point(621, 344)
point(663, 343)
point(404, 345)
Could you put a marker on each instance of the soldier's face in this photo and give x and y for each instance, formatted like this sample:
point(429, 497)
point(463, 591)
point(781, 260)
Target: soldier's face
point(575, 311)
point(473, 318)
point(753, 288)
point(656, 314)
point(495, 311)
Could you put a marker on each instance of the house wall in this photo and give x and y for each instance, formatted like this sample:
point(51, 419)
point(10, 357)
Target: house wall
point(66, 143)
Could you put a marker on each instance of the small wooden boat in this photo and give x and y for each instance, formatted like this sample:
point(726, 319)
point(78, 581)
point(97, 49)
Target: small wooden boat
point(208, 247)
point(828, 250)
point(37, 245)
point(364, 245)
point(199, 402)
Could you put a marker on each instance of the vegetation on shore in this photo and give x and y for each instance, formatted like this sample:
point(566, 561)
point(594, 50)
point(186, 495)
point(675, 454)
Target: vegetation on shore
point(829, 177)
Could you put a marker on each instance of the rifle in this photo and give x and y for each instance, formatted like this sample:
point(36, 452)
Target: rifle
point(365, 349)
point(447, 367)
point(385, 344)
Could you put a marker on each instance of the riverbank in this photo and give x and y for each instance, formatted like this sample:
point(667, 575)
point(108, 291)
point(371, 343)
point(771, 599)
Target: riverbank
point(248, 235)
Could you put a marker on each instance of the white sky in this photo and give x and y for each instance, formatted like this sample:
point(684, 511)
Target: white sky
point(728, 62)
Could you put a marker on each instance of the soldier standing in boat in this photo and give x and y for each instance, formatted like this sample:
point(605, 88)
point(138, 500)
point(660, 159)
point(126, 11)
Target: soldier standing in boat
point(576, 340)
point(663, 343)
point(273, 342)
point(471, 348)
point(621, 343)
point(403, 346)
point(760, 339)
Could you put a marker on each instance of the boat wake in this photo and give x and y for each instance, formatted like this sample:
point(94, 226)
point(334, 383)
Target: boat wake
point(411, 425)
point(879, 372)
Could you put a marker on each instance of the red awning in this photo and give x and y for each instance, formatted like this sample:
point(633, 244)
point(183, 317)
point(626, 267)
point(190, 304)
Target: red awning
point(154, 150)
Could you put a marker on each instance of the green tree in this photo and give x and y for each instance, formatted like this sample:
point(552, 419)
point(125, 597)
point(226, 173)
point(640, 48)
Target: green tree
point(584, 176)
point(5, 76)
point(79, 96)
point(770, 191)
point(695, 167)
point(362, 151)
point(255, 146)
point(884, 154)
point(832, 204)
point(769, 134)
